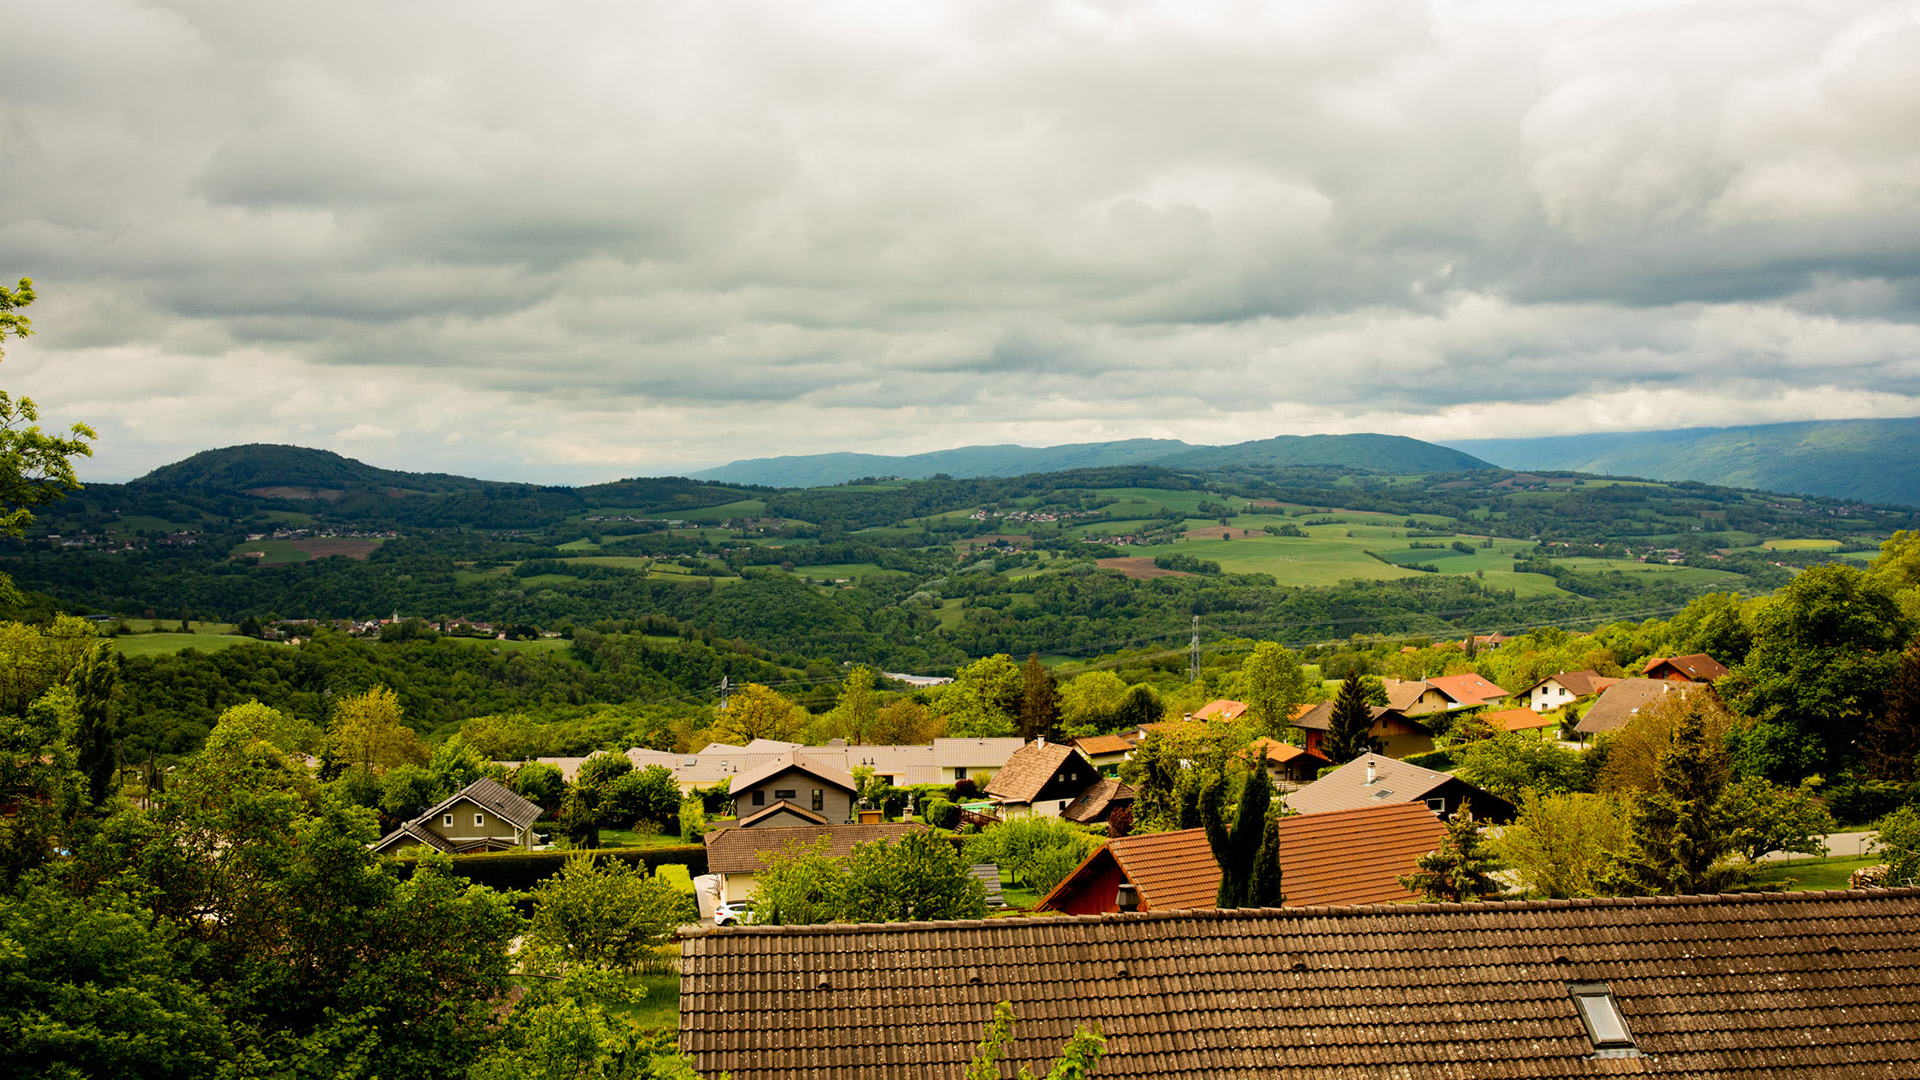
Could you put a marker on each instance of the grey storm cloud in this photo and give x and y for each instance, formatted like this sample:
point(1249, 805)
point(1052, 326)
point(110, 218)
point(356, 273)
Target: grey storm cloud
point(605, 238)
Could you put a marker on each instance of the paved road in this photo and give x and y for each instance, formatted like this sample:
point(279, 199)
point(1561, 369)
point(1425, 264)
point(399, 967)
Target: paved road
point(1845, 845)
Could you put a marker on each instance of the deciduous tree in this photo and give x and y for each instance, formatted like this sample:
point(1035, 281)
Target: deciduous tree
point(1561, 845)
point(1272, 683)
point(36, 468)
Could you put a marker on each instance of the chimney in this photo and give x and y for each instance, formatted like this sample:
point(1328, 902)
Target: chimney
point(1371, 772)
point(1128, 897)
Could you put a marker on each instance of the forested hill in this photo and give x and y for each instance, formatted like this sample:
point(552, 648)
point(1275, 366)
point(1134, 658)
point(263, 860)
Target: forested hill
point(275, 467)
point(1868, 460)
point(1373, 453)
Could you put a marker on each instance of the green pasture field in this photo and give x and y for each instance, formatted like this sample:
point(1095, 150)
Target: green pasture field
point(546, 579)
point(1524, 586)
point(1155, 499)
point(705, 514)
point(279, 552)
point(1801, 545)
point(145, 626)
point(631, 562)
point(1317, 560)
point(1627, 566)
point(536, 645)
point(468, 577)
point(165, 644)
point(948, 613)
point(850, 571)
point(582, 544)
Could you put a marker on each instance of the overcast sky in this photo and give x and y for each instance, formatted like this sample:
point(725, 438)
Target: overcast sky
point(582, 240)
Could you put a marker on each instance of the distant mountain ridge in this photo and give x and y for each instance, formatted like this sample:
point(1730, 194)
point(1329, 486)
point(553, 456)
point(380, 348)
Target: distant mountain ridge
point(1869, 460)
point(1379, 453)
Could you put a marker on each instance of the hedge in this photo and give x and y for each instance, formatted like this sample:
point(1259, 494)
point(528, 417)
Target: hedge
point(1437, 760)
point(525, 869)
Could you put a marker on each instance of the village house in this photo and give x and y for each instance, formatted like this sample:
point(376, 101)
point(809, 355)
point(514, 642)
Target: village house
point(1805, 985)
point(1288, 766)
point(798, 780)
point(483, 816)
point(1396, 733)
point(1564, 688)
point(1349, 857)
point(1041, 779)
point(1096, 804)
point(1698, 667)
point(733, 855)
point(1620, 702)
point(1377, 780)
point(1107, 752)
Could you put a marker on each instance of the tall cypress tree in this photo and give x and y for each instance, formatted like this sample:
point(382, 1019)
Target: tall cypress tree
point(1238, 849)
point(95, 740)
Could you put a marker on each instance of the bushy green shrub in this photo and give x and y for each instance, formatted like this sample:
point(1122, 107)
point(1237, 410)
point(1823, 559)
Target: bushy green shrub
point(524, 870)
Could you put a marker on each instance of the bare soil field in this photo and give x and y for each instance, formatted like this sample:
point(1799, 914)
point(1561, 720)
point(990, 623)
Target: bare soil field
point(1139, 566)
point(322, 546)
point(328, 494)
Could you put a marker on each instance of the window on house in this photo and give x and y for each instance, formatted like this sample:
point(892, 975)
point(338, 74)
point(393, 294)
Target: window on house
point(785, 793)
point(479, 819)
point(819, 800)
point(960, 772)
point(1438, 806)
point(760, 797)
point(1598, 1011)
point(449, 821)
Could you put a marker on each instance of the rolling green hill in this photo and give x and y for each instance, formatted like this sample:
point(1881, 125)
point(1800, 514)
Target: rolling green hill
point(1869, 460)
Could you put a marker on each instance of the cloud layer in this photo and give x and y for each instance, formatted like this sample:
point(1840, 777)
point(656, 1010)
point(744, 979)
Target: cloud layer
point(579, 241)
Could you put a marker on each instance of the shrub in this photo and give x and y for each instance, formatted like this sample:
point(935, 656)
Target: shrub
point(1860, 803)
point(940, 813)
point(526, 869)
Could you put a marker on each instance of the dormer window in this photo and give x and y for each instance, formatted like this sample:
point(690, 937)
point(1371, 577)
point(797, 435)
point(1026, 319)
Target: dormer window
point(1605, 1025)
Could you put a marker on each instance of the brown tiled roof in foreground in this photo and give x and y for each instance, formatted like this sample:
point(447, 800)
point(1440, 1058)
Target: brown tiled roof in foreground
point(1814, 984)
point(737, 851)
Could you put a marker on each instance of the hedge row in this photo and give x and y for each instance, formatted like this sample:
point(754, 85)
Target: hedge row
point(525, 869)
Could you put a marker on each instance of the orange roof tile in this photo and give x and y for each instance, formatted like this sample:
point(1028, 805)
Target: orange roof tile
point(1519, 719)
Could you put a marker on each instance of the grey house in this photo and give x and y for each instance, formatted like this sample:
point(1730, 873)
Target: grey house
point(483, 816)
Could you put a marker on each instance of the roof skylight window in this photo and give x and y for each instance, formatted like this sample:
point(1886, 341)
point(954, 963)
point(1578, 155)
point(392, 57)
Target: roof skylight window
point(1605, 1025)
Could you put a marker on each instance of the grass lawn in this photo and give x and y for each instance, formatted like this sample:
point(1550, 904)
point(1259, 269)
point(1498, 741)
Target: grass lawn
point(623, 838)
point(661, 1007)
point(1807, 874)
point(1018, 896)
point(159, 644)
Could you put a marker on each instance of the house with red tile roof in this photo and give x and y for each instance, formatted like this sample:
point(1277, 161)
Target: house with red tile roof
point(1564, 688)
point(1698, 667)
point(1353, 857)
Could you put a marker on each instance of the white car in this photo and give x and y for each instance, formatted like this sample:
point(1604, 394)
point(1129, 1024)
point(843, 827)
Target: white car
point(733, 913)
